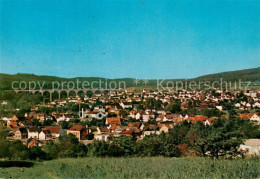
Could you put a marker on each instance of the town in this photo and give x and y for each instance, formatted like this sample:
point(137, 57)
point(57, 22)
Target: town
point(136, 114)
point(130, 89)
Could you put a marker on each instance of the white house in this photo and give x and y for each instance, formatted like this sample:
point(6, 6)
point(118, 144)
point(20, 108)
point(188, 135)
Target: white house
point(138, 116)
point(237, 105)
point(219, 108)
point(146, 133)
point(43, 135)
point(33, 132)
point(105, 136)
point(251, 146)
point(63, 118)
point(255, 117)
point(126, 105)
point(146, 117)
point(132, 114)
point(7, 118)
point(257, 104)
point(248, 105)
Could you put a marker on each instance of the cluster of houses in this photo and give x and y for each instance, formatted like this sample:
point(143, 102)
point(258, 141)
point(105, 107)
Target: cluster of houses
point(128, 99)
point(133, 122)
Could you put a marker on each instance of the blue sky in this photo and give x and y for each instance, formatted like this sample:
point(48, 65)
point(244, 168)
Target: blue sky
point(139, 39)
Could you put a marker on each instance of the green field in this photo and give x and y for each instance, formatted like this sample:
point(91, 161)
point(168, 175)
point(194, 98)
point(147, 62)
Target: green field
point(137, 168)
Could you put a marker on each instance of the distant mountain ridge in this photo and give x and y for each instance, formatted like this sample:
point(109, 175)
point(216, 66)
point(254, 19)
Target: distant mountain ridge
point(252, 75)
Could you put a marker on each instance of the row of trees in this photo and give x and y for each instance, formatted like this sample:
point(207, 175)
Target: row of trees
point(222, 139)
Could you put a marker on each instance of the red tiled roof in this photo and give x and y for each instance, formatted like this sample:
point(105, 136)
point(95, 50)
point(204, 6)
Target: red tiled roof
point(113, 120)
point(83, 135)
point(76, 128)
point(200, 118)
point(126, 132)
point(246, 116)
point(113, 127)
point(134, 124)
point(52, 129)
point(133, 112)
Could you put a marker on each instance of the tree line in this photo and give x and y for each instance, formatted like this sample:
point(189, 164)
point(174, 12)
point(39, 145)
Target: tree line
point(221, 139)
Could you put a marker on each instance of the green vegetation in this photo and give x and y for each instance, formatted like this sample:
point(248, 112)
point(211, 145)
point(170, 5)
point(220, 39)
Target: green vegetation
point(153, 167)
point(220, 140)
point(6, 80)
point(245, 75)
point(22, 101)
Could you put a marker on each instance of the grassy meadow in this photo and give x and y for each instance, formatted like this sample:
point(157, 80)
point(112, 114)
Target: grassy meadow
point(153, 167)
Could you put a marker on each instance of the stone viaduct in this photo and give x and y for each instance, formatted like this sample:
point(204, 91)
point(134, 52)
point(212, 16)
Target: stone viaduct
point(65, 90)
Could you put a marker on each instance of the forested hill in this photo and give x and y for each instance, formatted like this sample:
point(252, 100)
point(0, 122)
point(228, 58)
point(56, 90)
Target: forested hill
point(252, 75)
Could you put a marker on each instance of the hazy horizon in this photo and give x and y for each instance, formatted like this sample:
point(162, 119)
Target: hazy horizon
point(121, 77)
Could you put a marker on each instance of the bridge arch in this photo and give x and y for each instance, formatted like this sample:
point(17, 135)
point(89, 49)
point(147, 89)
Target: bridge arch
point(81, 93)
point(72, 93)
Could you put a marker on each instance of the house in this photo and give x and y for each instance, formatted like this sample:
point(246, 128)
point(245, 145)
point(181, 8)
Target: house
point(219, 108)
point(199, 118)
point(255, 118)
point(127, 133)
point(126, 105)
point(134, 124)
point(246, 115)
point(54, 131)
point(102, 129)
point(83, 113)
point(145, 117)
point(208, 122)
point(147, 133)
point(160, 111)
point(63, 118)
point(103, 136)
point(40, 116)
point(33, 132)
point(139, 115)
point(116, 128)
point(15, 118)
point(132, 114)
point(147, 127)
point(257, 104)
point(91, 114)
point(251, 146)
point(151, 114)
point(7, 118)
point(159, 117)
point(237, 105)
point(103, 133)
point(3, 102)
point(134, 129)
point(76, 130)
point(44, 135)
point(20, 133)
point(113, 120)
point(31, 142)
point(165, 127)
point(11, 124)
point(168, 117)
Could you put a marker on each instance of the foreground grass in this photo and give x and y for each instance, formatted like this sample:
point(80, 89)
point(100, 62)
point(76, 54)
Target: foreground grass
point(154, 167)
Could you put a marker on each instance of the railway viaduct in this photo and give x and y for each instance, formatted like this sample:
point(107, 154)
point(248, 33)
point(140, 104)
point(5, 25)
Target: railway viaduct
point(59, 91)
